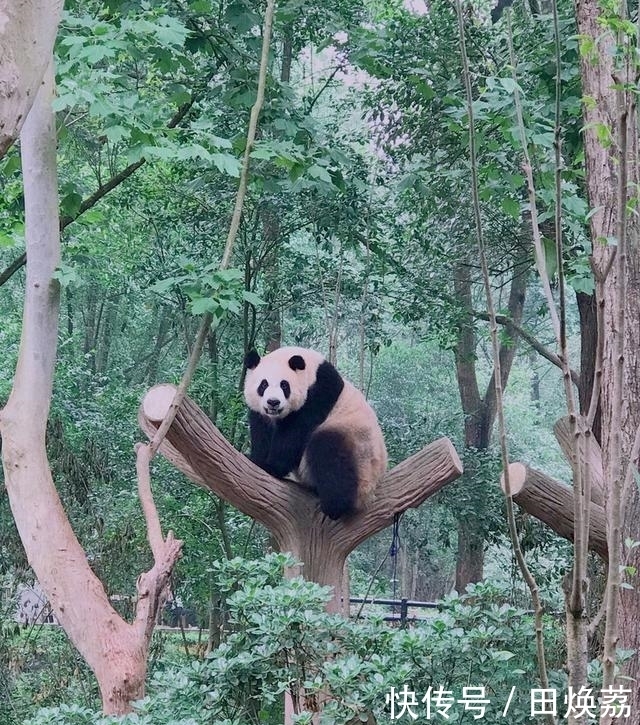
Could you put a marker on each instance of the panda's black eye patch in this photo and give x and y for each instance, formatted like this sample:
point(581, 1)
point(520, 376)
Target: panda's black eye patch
point(286, 388)
point(262, 387)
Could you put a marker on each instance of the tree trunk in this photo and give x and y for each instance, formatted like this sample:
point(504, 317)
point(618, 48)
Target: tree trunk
point(479, 412)
point(470, 558)
point(603, 170)
point(27, 33)
point(287, 58)
point(115, 651)
point(587, 309)
point(271, 269)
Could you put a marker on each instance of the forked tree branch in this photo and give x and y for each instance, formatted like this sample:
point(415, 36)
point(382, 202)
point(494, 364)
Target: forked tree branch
point(114, 649)
point(288, 509)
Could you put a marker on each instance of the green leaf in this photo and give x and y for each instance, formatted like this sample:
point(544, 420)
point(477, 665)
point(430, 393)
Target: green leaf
point(318, 172)
point(203, 305)
point(11, 164)
point(164, 285)
point(6, 241)
point(116, 133)
point(253, 299)
point(602, 132)
point(70, 204)
point(508, 84)
point(170, 31)
point(511, 207)
point(226, 163)
point(92, 216)
point(408, 181)
point(68, 276)
point(582, 283)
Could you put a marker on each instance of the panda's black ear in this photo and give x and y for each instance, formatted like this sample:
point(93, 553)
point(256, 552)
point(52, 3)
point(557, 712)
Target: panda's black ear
point(251, 360)
point(297, 362)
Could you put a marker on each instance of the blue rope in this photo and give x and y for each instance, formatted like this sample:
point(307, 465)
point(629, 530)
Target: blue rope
point(394, 548)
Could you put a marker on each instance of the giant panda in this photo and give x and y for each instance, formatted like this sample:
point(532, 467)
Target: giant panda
point(308, 422)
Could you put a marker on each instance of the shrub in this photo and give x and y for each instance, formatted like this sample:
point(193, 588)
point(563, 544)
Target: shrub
point(282, 640)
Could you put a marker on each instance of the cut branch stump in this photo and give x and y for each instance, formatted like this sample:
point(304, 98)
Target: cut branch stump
point(562, 432)
point(552, 502)
point(291, 512)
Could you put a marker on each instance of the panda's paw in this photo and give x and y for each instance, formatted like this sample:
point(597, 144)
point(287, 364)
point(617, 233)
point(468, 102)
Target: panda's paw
point(339, 508)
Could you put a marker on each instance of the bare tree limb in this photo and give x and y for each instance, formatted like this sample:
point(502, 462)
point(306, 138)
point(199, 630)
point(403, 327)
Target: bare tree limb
point(154, 529)
point(530, 339)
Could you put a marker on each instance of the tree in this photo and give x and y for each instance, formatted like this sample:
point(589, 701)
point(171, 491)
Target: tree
point(480, 409)
point(291, 512)
point(115, 650)
point(26, 43)
point(613, 173)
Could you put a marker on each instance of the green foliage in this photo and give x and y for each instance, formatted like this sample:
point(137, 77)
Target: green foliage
point(283, 640)
point(38, 667)
point(356, 220)
point(210, 289)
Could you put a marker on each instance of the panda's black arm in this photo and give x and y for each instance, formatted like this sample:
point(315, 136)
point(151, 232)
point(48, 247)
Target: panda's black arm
point(261, 435)
point(292, 433)
point(278, 448)
point(323, 395)
point(275, 449)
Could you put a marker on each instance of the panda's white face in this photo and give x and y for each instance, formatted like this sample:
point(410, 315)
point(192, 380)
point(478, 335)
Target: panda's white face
point(277, 384)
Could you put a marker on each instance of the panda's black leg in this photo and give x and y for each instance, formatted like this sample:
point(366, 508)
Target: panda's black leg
point(333, 473)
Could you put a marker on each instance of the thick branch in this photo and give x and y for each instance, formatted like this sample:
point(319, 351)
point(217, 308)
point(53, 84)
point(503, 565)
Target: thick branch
point(152, 587)
point(465, 350)
point(552, 502)
point(154, 529)
point(505, 354)
point(562, 432)
point(17, 263)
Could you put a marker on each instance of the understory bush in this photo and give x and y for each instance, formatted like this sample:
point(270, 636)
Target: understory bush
point(281, 640)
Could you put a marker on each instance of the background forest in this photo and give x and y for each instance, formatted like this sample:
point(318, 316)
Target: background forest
point(358, 239)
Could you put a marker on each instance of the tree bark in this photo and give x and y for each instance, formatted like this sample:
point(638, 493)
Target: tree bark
point(587, 309)
point(552, 502)
point(115, 650)
point(27, 33)
point(290, 512)
point(562, 432)
point(603, 171)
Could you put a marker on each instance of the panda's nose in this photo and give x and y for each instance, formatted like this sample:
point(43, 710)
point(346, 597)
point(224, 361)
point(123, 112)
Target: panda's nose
point(273, 402)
